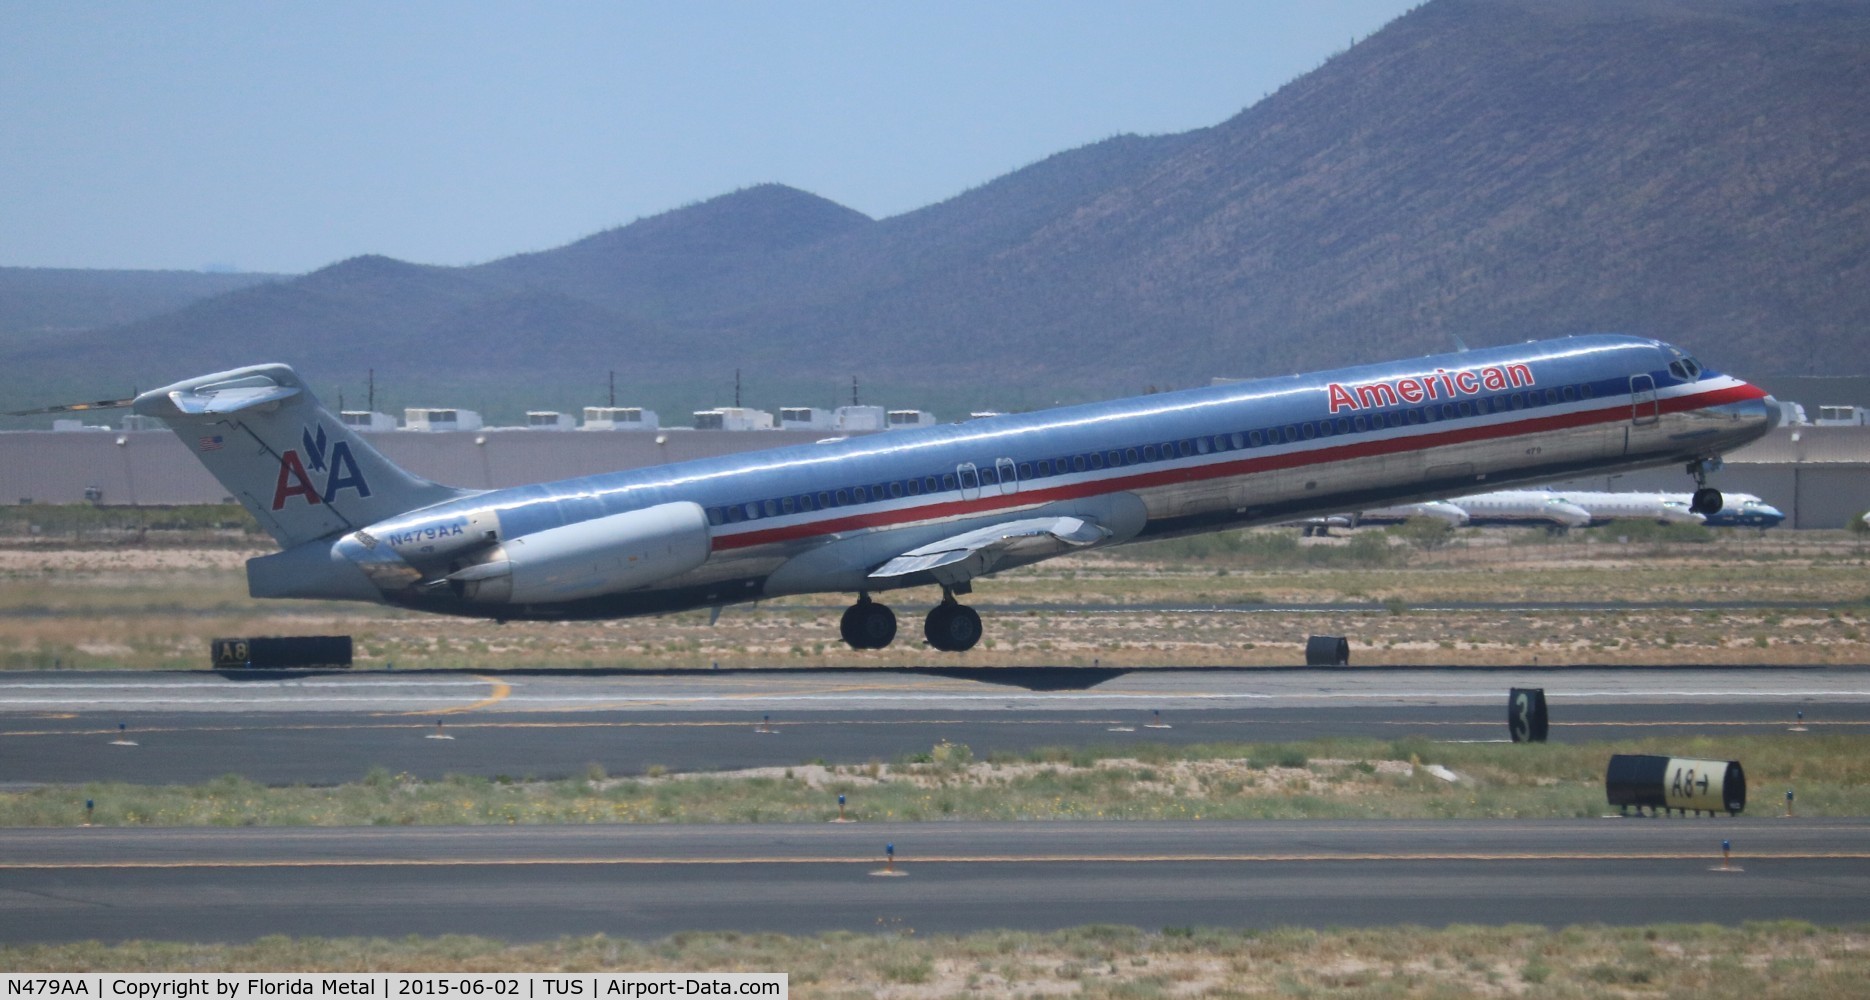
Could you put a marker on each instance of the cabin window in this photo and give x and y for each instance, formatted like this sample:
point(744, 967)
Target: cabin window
point(915, 487)
point(989, 475)
point(1221, 443)
point(1447, 411)
point(930, 484)
point(824, 500)
point(716, 517)
point(787, 505)
point(1551, 397)
point(859, 495)
point(1515, 402)
point(1077, 463)
point(1025, 470)
point(753, 510)
point(1097, 460)
point(1414, 416)
point(1130, 456)
point(1292, 432)
point(948, 482)
point(1570, 393)
point(1325, 429)
point(1308, 431)
point(770, 507)
point(969, 480)
point(843, 497)
point(1465, 408)
point(735, 515)
point(1114, 458)
point(1255, 439)
point(1149, 453)
point(896, 490)
point(1358, 423)
point(805, 502)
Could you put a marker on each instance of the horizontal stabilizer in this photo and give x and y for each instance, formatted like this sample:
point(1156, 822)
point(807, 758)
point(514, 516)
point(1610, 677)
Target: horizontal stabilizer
point(970, 554)
point(231, 396)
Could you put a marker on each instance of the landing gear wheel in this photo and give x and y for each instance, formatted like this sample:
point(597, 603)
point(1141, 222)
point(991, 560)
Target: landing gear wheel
point(868, 625)
point(952, 628)
point(1706, 501)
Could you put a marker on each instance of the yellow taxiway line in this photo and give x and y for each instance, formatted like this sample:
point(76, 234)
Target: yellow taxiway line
point(500, 690)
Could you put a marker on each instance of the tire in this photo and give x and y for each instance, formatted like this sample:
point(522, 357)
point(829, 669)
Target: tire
point(868, 625)
point(952, 628)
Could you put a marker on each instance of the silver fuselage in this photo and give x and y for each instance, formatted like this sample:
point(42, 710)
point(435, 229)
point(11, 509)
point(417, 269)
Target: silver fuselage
point(819, 518)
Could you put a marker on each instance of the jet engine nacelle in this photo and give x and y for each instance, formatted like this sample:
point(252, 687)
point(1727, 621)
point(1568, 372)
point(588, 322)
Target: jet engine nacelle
point(605, 555)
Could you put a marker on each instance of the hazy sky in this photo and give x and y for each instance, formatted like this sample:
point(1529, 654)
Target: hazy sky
point(281, 136)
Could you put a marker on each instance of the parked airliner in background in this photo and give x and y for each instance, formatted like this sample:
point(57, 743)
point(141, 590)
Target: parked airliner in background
point(1438, 510)
point(1657, 507)
point(940, 506)
point(1521, 507)
point(1738, 510)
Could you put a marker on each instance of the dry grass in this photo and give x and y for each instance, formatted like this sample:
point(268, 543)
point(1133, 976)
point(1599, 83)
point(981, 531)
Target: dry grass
point(1785, 959)
point(142, 607)
point(1318, 779)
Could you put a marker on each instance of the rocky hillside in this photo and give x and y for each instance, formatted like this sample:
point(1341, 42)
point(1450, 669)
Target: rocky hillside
point(1497, 170)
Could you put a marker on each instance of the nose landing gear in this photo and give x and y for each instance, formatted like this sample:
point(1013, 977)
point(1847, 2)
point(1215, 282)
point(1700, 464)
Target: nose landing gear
point(952, 627)
point(1707, 500)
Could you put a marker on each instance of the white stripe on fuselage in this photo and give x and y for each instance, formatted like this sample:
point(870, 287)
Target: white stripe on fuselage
point(1615, 408)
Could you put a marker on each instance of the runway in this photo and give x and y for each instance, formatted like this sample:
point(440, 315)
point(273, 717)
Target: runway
point(542, 882)
point(63, 727)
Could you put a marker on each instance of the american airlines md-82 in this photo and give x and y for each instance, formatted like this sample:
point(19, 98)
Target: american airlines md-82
point(940, 506)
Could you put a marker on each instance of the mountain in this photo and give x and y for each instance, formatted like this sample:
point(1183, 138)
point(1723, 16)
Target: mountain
point(49, 301)
point(1496, 170)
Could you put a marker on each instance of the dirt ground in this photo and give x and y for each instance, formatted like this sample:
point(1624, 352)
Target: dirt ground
point(1779, 597)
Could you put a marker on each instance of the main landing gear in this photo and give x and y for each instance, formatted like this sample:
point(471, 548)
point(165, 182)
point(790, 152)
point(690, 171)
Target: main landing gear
point(951, 627)
point(1707, 499)
point(868, 625)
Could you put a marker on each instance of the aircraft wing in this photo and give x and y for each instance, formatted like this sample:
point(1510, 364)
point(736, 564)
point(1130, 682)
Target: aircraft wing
point(970, 554)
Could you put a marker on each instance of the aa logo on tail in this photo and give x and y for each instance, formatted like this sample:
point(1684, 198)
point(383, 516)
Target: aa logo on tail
point(322, 455)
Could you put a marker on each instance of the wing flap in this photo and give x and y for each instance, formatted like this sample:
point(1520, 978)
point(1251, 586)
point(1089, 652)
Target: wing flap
point(972, 553)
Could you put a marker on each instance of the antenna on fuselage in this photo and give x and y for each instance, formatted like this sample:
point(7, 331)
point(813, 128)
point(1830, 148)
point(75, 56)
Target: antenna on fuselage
point(1459, 344)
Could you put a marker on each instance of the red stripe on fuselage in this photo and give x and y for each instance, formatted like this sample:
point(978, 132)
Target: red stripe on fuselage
point(1617, 413)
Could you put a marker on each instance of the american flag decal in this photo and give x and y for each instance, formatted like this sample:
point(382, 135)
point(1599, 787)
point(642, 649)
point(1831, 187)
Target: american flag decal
point(210, 442)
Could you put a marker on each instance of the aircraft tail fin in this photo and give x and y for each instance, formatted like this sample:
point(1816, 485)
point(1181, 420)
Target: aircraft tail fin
point(298, 469)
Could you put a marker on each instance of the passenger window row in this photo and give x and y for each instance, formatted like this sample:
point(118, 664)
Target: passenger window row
point(970, 478)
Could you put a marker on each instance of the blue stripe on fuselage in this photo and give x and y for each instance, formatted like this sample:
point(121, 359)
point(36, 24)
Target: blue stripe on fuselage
point(1597, 365)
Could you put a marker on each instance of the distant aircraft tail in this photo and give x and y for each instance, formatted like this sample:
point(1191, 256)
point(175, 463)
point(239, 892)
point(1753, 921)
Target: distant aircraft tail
point(295, 467)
